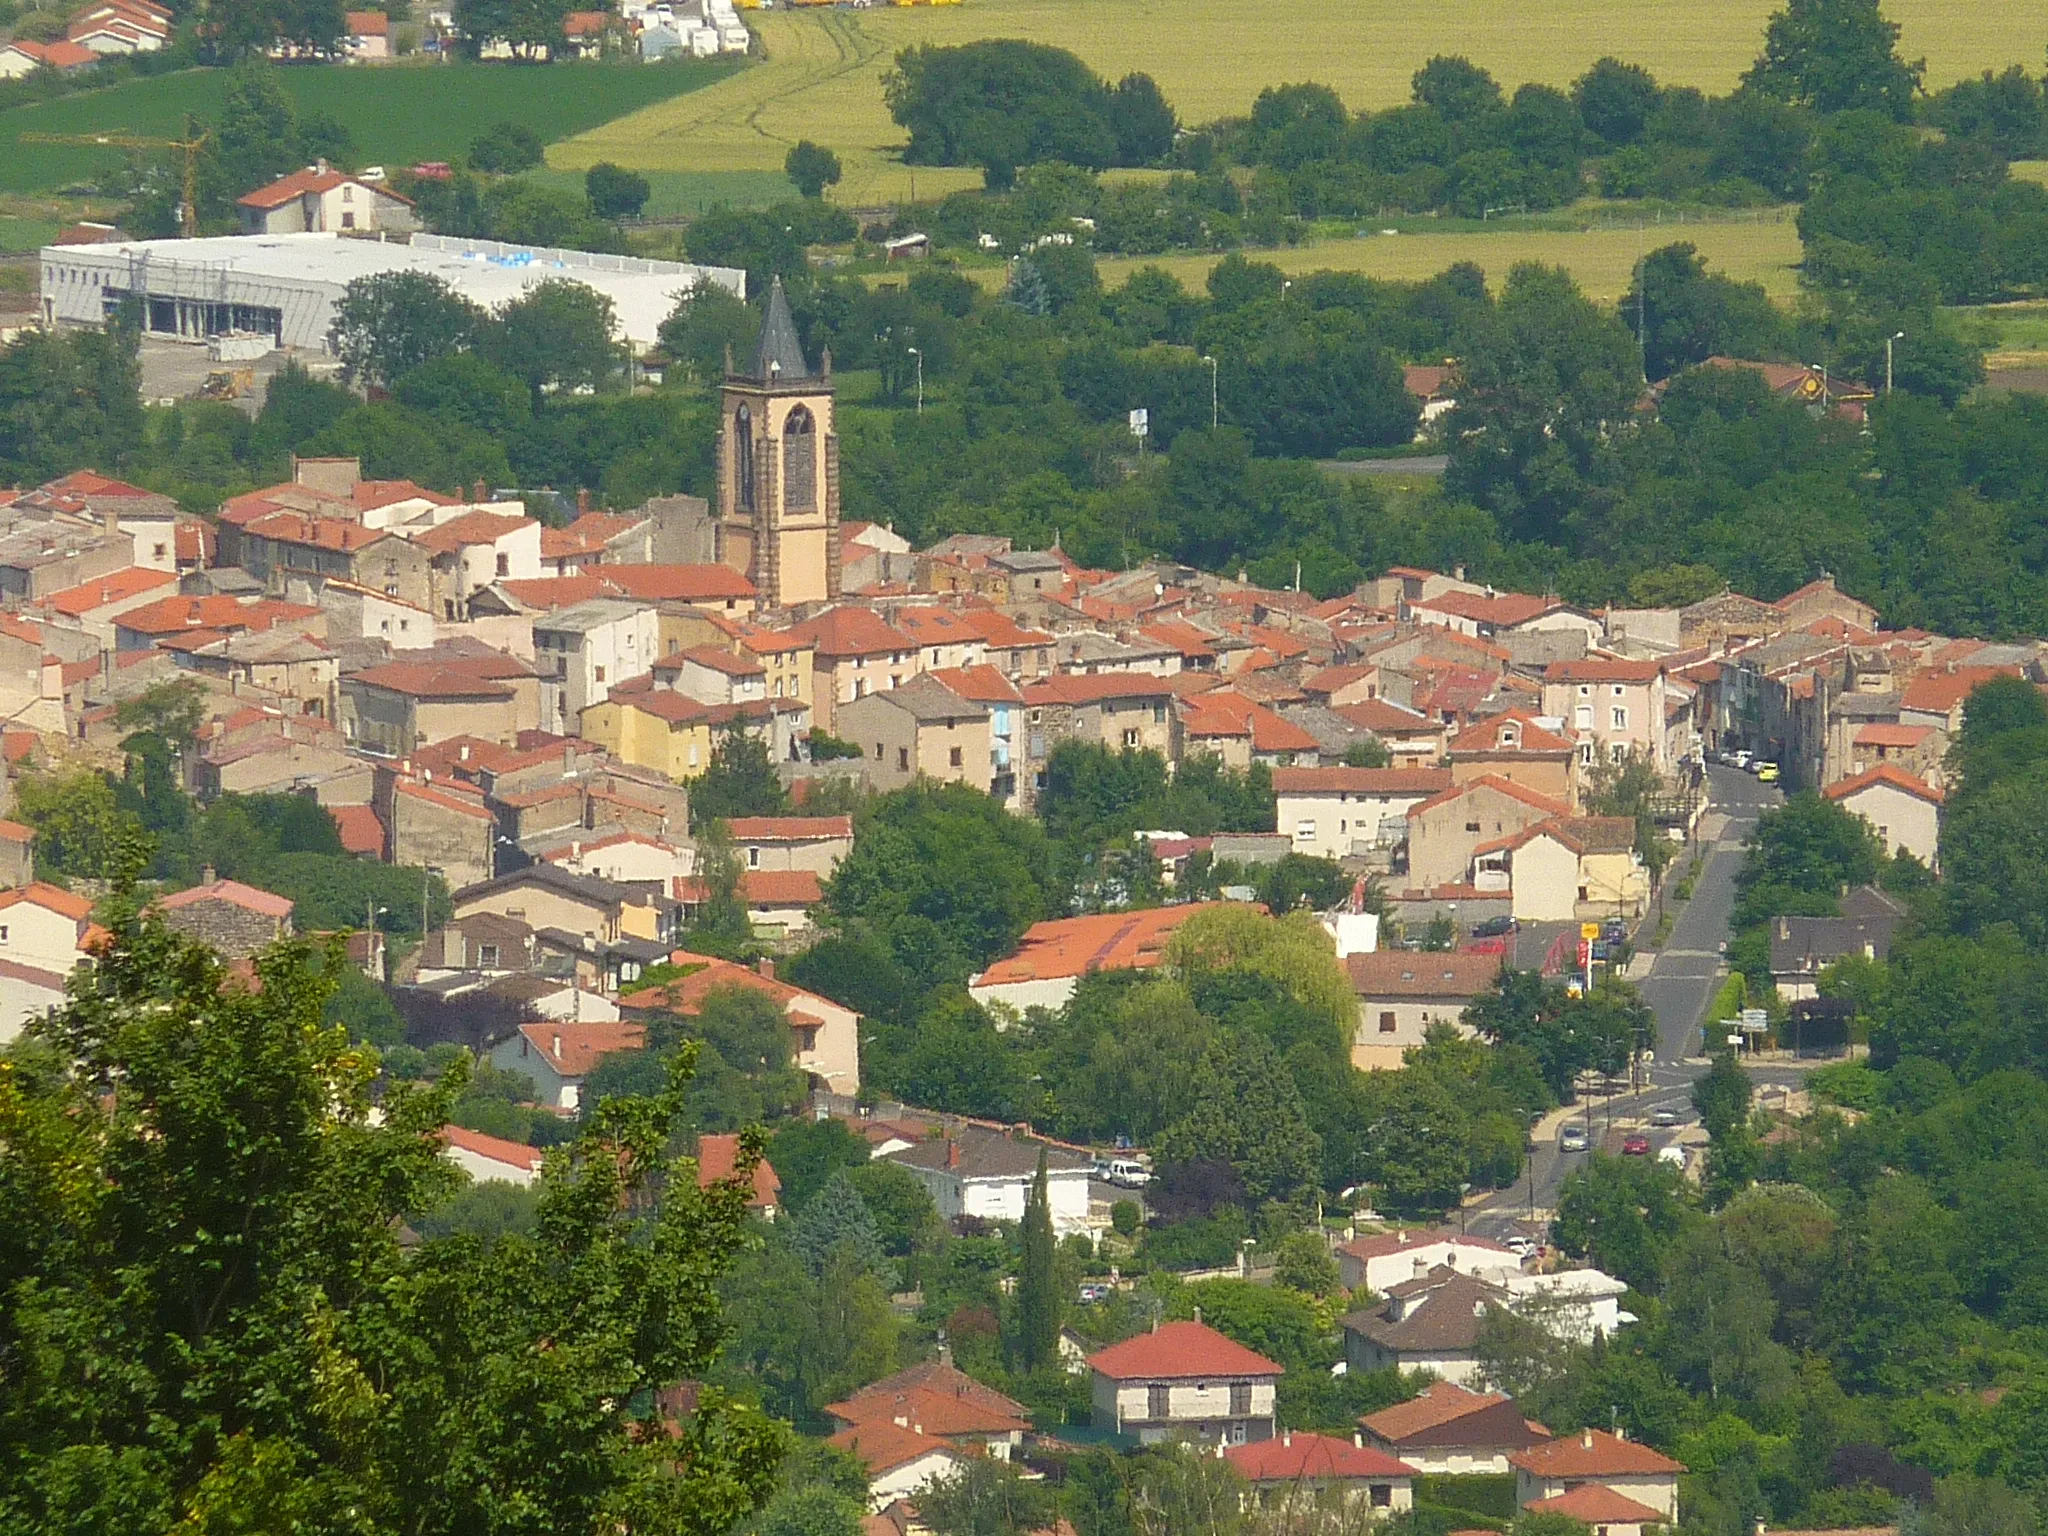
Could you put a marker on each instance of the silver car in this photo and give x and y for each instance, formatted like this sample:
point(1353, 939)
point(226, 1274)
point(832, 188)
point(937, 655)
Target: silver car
point(1573, 1138)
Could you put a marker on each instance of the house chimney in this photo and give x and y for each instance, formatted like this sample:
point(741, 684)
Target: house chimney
point(582, 502)
point(206, 874)
point(463, 755)
point(766, 967)
point(1357, 1440)
point(1421, 1266)
point(110, 520)
point(1287, 1437)
point(1586, 1439)
point(1198, 1314)
point(558, 1057)
point(952, 1154)
point(479, 491)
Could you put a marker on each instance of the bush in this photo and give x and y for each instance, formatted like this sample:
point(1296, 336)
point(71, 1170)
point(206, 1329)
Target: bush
point(615, 193)
point(1851, 1084)
point(1125, 1217)
point(1488, 1495)
point(506, 148)
point(1205, 1242)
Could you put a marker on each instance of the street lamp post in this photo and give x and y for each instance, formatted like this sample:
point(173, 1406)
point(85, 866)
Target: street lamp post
point(1895, 336)
point(913, 351)
point(1212, 390)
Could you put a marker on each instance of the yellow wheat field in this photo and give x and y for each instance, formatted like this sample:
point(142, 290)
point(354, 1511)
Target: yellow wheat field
point(821, 78)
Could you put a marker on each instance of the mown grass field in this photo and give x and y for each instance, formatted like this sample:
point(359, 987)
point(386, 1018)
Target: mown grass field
point(398, 114)
point(822, 76)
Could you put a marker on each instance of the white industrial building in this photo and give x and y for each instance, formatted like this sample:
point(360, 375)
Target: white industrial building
point(286, 286)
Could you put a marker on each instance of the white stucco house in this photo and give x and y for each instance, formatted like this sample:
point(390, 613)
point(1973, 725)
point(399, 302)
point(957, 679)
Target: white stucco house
point(978, 1172)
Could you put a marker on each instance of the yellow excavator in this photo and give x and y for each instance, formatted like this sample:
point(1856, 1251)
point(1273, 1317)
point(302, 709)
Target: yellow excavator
point(116, 139)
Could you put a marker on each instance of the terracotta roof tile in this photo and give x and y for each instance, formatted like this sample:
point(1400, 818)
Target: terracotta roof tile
point(1176, 1351)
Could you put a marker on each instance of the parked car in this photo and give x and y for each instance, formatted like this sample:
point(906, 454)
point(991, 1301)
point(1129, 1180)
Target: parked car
point(1741, 758)
point(1493, 928)
point(1674, 1155)
point(1573, 1138)
point(1519, 1246)
point(1767, 773)
point(1093, 1291)
point(1614, 930)
point(1635, 1145)
point(1663, 1119)
point(1129, 1175)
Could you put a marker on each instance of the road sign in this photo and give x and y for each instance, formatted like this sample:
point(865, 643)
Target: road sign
point(1755, 1019)
point(1589, 930)
point(1141, 422)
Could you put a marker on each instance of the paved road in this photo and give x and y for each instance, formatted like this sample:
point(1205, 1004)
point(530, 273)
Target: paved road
point(1682, 981)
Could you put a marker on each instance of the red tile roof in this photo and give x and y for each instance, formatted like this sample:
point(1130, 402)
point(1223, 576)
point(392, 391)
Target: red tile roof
point(644, 583)
point(788, 829)
point(15, 832)
point(1361, 781)
point(1385, 719)
point(360, 831)
point(1075, 689)
point(248, 897)
point(1485, 735)
point(1597, 1505)
point(1494, 781)
point(979, 685)
point(1441, 1402)
point(60, 53)
point(1177, 1351)
point(469, 528)
point(55, 899)
point(781, 888)
point(851, 632)
point(309, 182)
point(1305, 1458)
point(718, 1157)
point(425, 680)
point(937, 1413)
point(176, 615)
point(1601, 669)
point(1407, 973)
point(515, 1154)
point(573, 1049)
point(1881, 733)
point(74, 602)
point(1078, 946)
point(1883, 773)
point(1940, 692)
point(1501, 608)
point(885, 1445)
point(1593, 1453)
point(366, 23)
point(444, 799)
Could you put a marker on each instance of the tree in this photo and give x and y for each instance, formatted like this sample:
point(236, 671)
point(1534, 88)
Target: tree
point(1038, 1283)
point(805, 1154)
point(389, 323)
point(229, 1220)
point(172, 710)
point(1835, 56)
point(986, 1497)
point(811, 167)
point(1250, 1118)
point(739, 780)
point(1459, 90)
point(1141, 121)
point(70, 399)
point(614, 193)
point(1615, 100)
point(506, 149)
point(80, 829)
point(1619, 1213)
point(555, 337)
point(1000, 104)
point(836, 1220)
point(1802, 855)
point(1304, 1263)
point(708, 324)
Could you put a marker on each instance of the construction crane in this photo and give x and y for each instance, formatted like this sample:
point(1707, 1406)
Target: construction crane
point(188, 217)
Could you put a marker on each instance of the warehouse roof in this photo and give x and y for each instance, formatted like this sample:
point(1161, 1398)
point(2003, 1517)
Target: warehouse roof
point(487, 272)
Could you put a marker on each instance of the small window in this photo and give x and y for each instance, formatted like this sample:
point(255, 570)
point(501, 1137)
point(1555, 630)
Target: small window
point(1386, 1021)
point(504, 565)
point(348, 221)
point(160, 550)
point(1383, 1497)
point(599, 671)
point(753, 858)
point(953, 758)
point(1620, 718)
point(1617, 690)
point(348, 193)
point(3, 933)
point(903, 759)
point(1131, 737)
point(487, 956)
point(1304, 831)
point(1471, 826)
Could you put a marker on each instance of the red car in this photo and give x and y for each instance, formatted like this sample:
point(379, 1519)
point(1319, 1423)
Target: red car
point(1637, 1145)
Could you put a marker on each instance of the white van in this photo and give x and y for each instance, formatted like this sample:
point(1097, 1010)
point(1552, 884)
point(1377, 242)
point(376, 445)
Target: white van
point(1674, 1155)
point(1130, 1175)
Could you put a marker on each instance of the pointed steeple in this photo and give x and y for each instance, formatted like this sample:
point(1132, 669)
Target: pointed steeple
point(778, 355)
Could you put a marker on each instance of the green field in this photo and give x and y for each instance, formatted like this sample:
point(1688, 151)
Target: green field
point(398, 114)
point(822, 76)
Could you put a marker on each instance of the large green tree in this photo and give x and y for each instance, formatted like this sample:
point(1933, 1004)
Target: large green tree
point(212, 1326)
point(1836, 56)
point(391, 322)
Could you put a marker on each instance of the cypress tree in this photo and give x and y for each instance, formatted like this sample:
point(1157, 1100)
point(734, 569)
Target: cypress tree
point(1038, 1298)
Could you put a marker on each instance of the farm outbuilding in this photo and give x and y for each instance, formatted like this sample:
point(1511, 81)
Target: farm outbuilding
point(286, 286)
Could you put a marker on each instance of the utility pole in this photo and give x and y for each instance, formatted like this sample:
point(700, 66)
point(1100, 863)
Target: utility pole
point(1213, 415)
point(1895, 336)
point(913, 351)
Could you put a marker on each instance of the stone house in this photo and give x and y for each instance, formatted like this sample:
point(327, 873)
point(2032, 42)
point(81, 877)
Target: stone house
point(234, 919)
point(1446, 830)
point(814, 843)
point(1613, 709)
point(1521, 748)
point(921, 730)
point(1401, 993)
point(1429, 1322)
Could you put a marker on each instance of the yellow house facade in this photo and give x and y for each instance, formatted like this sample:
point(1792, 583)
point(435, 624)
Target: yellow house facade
point(658, 729)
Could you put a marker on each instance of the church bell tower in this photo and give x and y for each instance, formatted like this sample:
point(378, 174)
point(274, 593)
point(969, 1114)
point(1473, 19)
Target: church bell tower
point(778, 465)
